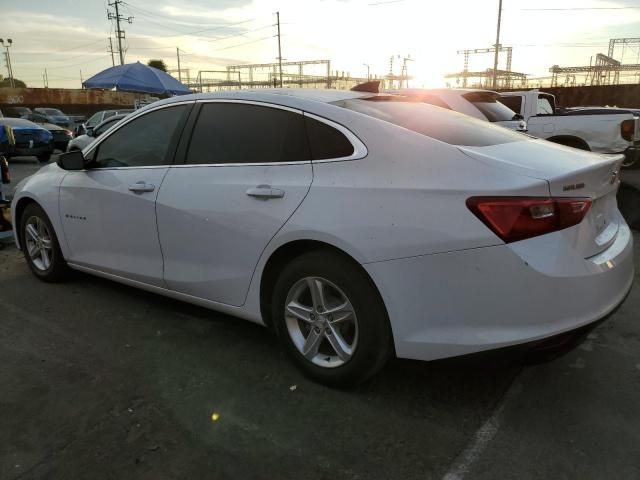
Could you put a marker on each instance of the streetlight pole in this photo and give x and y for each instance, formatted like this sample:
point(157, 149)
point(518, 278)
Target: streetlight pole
point(368, 76)
point(8, 57)
point(495, 56)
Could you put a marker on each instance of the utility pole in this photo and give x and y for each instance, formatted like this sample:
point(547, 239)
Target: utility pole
point(495, 56)
point(179, 72)
point(368, 70)
point(279, 49)
point(7, 57)
point(119, 32)
point(405, 71)
point(46, 79)
point(81, 86)
point(113, 62)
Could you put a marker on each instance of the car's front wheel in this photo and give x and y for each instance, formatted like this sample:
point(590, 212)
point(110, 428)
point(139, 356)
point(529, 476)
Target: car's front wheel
point(331, 319)
point(40, 245)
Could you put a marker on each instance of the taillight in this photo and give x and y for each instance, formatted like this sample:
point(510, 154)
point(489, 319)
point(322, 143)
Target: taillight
point(517, 218)
point(627, 129)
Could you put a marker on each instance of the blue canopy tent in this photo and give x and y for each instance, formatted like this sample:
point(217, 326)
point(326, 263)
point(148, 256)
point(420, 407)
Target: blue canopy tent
point(136, 77)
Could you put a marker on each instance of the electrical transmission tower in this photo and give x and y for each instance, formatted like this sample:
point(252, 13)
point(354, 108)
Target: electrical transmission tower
point(119, 32)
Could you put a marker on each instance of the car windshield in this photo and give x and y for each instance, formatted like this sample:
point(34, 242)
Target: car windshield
point(443, 125)
point(52, 111)
point(490, 107)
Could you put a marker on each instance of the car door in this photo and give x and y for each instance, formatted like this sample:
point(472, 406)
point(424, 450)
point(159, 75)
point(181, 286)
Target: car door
point(108, 210)
point(246, 170)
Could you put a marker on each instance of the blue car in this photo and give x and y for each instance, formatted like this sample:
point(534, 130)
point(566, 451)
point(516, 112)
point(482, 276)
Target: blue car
point(55, 116)
point(30, 139)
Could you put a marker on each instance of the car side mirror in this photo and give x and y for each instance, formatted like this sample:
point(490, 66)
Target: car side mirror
point(89, 132)
point(73, 160)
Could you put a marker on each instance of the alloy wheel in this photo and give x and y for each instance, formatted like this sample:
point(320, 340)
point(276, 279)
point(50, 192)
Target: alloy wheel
point(39, 243)
point(321, 322)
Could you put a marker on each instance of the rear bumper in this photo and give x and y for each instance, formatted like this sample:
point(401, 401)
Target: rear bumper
point(462, 302)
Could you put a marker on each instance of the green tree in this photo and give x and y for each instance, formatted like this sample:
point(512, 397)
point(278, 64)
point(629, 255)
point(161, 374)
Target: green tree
point(159, 64)
point(6, 82)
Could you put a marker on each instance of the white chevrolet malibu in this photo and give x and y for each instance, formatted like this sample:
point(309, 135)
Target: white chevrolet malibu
point(356, 225)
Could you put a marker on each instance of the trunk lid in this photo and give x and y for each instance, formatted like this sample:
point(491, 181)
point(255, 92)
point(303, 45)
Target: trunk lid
point(569, 173)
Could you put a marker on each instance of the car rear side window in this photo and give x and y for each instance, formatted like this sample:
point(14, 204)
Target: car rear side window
point(325, 141)
point(148, 140)
point(247, 133)
point(443, 125)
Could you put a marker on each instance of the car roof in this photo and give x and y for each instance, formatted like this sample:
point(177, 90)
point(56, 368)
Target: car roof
point(446, 91)
point(275, 95)
point(19, 122)
point(112, 118)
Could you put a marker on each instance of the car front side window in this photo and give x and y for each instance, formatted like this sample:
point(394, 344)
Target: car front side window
point(148, 140)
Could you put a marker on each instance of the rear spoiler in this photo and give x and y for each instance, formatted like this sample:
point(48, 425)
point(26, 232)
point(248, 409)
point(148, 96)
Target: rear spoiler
point(372, 87)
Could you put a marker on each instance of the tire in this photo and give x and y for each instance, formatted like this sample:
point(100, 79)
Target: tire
point(366, 332)
point(629, 205)
point(44, 157)
point(51, 267)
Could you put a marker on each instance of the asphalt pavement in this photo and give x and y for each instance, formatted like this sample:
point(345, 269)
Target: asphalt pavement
point(103, 381)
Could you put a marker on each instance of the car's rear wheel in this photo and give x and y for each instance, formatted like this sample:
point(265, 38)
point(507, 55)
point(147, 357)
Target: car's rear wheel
point(629, 205)
point(40, 245)
point(44, 158)
point(331, 319)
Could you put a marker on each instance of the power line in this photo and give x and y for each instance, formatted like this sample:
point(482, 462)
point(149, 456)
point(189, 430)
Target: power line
point(171, 19)
point(575, 8)
point(245, 43)
point(76, 64)
point(211, 28)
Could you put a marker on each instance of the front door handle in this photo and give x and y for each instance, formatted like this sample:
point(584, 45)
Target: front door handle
point(265, 192)
point(140, 187)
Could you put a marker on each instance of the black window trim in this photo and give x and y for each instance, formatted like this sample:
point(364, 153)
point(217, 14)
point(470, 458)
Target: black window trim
point(359, 149)
point(131, 117)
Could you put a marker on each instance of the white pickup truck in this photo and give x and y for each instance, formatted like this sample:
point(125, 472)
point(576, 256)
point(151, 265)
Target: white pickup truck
point(595, 131)
point(598, 130)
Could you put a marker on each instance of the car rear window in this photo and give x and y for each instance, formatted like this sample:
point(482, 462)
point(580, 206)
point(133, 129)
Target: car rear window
point(490, 107)
point(514, 103)
point(443, 125)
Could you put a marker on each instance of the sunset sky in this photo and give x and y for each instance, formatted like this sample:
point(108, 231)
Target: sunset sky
point(68, 36)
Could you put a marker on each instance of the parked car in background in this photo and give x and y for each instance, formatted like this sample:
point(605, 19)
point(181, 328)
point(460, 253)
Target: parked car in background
point(30, 139)
point(480, 104)
point(98, 117)
point(616, 132)
point(61, 135)
point(54, 116)
point(80, 142)
point(16, 112)
point(357, 225)
point(598, 129)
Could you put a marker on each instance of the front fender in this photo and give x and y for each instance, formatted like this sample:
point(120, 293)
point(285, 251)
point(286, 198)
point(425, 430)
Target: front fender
point(43, 188)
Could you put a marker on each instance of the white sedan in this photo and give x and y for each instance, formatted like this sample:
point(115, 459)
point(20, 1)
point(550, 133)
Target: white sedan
point(356, 225)
point(480, 104)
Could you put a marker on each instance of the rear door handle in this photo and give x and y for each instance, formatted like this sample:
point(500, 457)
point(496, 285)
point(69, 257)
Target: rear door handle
point(265, 192)
point(140, 187)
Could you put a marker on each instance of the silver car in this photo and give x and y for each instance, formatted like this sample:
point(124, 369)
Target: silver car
point(92, 133)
